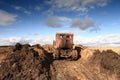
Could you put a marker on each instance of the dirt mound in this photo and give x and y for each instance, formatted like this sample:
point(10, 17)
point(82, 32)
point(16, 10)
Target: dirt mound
point(48, 48)
point(4, 50)
point(95, 65)
point(36, 62)
point(25, 63)
point(108, 63)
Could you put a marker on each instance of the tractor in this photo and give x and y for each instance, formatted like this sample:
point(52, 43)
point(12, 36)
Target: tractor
point(65, 48)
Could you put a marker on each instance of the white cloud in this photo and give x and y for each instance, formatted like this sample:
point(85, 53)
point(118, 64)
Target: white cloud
point(4, 42)
point(13, 40)
point(75, 32)
point(25, 40)
point(83, 25)
point(61, 21)
point(57, 21)
point(77, 5)
point(95, 28)
point(62, 18)
point(93, 3)
point(52, 21)
point(27, 12)
point(6, 18)
point(103, 40)
point(21, 9)
point(17, 7)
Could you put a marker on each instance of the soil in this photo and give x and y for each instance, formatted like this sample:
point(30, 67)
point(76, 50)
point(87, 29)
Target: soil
point(4, 50)
point(95, 66)
point(25, 62)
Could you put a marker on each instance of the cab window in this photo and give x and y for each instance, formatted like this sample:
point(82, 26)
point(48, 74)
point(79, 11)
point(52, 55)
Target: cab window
point(61, 36)
point(67, 36)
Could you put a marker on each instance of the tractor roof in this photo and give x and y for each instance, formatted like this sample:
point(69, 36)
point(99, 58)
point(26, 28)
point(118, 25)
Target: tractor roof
point(65, 33)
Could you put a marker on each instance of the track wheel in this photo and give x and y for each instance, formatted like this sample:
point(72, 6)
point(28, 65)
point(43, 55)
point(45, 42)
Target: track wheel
point(74, 54)
point(56, 54)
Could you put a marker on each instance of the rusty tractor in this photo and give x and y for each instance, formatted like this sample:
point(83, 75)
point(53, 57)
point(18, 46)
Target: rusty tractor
point(65, 48)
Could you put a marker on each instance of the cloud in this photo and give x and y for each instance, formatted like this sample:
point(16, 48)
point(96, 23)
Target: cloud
point(95, 28)
point(37, 8)
point(83, 25)
point(77, 5)
point(65, 19)
point(17, 7)
point(25, 40)
point(52, 21)
point(42, 39)
point(27, 12)
point(7, 18)
point(103, 40)
point(93, 3)
point(21, 9)
point(75, 32)
point(61, 21)
point(13, 40)
point(57, 21)
point(10, 29)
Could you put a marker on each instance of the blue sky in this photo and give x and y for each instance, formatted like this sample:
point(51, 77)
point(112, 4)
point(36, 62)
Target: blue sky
point(37, 21)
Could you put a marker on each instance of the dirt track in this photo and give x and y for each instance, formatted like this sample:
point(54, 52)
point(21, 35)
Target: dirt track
point(37, 64)
point(94, 67)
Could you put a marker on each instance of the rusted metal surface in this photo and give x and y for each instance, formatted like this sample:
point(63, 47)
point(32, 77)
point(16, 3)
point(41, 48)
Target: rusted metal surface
point(64, 41)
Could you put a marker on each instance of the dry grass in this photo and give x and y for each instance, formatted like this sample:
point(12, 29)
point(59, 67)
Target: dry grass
point(115, 49)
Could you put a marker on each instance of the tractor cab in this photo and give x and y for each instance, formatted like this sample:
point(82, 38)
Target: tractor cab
point(63, 41)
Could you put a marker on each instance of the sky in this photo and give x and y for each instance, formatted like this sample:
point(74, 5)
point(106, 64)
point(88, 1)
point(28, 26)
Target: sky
point(93, 22)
